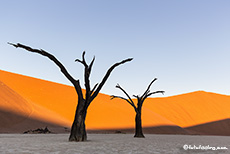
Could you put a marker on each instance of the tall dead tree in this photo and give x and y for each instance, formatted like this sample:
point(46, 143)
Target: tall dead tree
point(78, 131)
point(138, 107)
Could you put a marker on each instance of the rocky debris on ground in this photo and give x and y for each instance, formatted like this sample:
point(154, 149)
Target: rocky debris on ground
point(38, 131)
point(119, 132)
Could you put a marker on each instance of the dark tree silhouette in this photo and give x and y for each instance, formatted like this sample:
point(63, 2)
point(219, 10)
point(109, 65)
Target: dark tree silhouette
point(138, 107)
point(78, 131)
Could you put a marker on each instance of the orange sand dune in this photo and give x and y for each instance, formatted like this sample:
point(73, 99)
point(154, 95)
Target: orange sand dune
point(49, 95)
point(104, 113)
point(191, 109)
point(56, 103)
point(12, 103)
point(62, 99)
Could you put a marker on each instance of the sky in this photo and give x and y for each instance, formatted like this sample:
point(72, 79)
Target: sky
point(185, 44)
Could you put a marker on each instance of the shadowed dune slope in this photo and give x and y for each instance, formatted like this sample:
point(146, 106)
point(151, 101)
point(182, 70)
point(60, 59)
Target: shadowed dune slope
point(163, 129)
point(12, 122)
point(56, 103)
point(221, 127)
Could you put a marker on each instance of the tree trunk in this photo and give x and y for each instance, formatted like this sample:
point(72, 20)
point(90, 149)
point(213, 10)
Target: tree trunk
point(78, 131)
point(138, 128)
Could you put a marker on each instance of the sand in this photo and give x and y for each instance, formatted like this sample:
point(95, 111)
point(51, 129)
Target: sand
point(108, 144)
point(48, 103)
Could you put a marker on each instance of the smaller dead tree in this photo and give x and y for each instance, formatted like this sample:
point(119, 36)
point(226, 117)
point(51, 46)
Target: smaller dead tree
point(138, 107)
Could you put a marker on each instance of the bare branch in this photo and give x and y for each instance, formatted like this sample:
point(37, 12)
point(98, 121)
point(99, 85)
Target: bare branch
point(57, 62)
point(147, 90)
point(107, 76)
point(78, 60)
point(139, 102)
point(83, 60)
point(86, 74)
point(93, 89)
point(83, 56)
point(156, 93)
point(113, 96)
point(13, 44)
point(91, 64)
point(119, 87)
point(131, 103)
point(149, 94)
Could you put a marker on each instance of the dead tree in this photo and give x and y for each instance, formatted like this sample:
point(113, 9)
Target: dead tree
point(78, 131)
point(138, 107)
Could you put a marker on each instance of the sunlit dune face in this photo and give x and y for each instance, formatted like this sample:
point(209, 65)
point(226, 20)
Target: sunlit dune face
point(11, 101)
point(192, 109)
point(57, 103)
point(62, 100)
point(117, 113)
point(58, 98)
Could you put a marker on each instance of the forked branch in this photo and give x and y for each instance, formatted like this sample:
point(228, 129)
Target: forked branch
point(93, 89)
point(131, 103)
point(87, 72)
point(119, 87)
point(149, 94)
point(107, 76)
point(147, 90)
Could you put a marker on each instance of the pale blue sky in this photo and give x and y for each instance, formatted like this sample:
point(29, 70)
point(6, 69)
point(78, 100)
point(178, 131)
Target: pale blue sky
point(185, 44)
